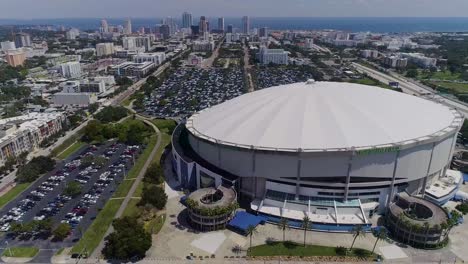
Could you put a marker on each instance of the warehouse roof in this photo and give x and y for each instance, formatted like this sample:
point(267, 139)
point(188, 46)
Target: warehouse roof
point(315, 116)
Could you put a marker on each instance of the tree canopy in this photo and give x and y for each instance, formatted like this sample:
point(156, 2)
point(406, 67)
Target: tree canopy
point(128, 241)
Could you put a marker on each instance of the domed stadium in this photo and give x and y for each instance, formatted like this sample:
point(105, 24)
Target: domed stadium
point(335, 152)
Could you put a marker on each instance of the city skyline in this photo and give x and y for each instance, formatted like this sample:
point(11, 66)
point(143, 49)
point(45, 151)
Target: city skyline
point(258, 8)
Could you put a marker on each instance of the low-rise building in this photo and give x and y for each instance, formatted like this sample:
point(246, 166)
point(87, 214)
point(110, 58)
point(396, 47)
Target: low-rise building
point(104, 49)
point(370, 54)
point(420, 59)
point(395, 62)
point(275, 56)
point(132, 69)
point(203, 45)
point(25, 133)
point(156, 58)
point(70, 69)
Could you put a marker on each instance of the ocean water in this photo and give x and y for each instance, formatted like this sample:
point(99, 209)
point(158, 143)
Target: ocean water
point(387, 24)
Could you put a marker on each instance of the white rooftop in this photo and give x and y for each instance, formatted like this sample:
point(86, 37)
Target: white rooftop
point(323, 115)
point(445, 185)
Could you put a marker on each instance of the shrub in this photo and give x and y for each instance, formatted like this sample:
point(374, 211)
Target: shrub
point(362, 253)
point(463, 208)
point(340, 251)
point(155, 196)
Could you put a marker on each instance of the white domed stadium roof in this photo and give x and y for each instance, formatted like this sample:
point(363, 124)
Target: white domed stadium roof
point(315, 116)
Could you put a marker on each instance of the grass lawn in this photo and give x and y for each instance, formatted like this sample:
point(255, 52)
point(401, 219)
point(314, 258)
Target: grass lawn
point(123, 188)
point(442, 75)
point(95, 233)
point(139, 189)
point(132, 209)
point(133, 173)
point(70, 150)
point(21, 252)
point(455, 87)
point(294, 249)
point(59, 252)
point(11, 194)
point(67, 143)
point(155, 225)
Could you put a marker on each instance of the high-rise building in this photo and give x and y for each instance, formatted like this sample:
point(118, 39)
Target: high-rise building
point(104, 49)
point(203, 25)
point(245, 25)
point(221, 24)
point(128, 27)
point(15, 58)
point(72, 34)
point(8, 45)
point(165, 31)
point(104, 26)
point(195, 30)
point(230, 28)
point(22, 40)
point(172, 25)
point(263, 32)
point(129, 43)
point(70, 69)
point(187, 20)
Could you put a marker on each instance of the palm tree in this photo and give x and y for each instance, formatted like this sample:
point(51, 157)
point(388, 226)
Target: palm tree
point(283, 225)
point(251, 230)
point(426, 227)
point(381, 234)
point(358, 231)
point(306, 224)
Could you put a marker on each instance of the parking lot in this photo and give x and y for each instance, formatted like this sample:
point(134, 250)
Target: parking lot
point(45, 199)
point(191, 89)
point(272, 76)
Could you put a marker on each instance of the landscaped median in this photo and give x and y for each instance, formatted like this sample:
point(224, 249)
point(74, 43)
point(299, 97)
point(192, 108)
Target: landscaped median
point(13, 192)
point(70, 150)
point(95, 233)
point(289, 249)
point(20, 252)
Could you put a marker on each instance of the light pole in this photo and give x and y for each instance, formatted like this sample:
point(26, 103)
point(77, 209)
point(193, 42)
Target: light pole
point(9, 249)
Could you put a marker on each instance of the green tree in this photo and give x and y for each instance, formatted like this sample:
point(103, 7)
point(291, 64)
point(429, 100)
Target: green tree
point(92, 108)
point(381, 235)
point(306, 224)
point(412, 73)
point(154, 174)
point(93, 131)
point(62, 231)
point(128, 241)
point(155, 196)
point(358, 231)
point(251, 230)
point(283, 225)
point(72, 189)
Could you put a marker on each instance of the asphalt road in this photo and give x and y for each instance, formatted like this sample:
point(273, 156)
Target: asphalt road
point(413, 87)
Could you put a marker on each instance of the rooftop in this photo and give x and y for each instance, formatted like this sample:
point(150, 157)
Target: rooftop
point(317, 116)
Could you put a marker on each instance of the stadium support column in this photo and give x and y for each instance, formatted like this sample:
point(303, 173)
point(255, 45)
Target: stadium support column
point(252, 148)
point(298, 175)
point(348, 174)
point(392, 185)
point(423, 190)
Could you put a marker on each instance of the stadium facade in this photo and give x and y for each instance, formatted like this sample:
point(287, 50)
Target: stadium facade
point(336, 152)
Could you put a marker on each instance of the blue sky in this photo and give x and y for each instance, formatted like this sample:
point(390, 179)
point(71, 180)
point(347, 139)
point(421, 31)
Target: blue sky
point(26, 9)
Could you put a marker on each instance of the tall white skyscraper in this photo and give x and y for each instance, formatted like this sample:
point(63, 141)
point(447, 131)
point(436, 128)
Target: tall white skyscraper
point(128, 27)
point(245, 25)
point(221, 23)
point(104, 26)
point(187, 20)
point(172, 25)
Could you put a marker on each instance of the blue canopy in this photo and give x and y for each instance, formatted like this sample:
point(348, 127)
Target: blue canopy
point(242, 220)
